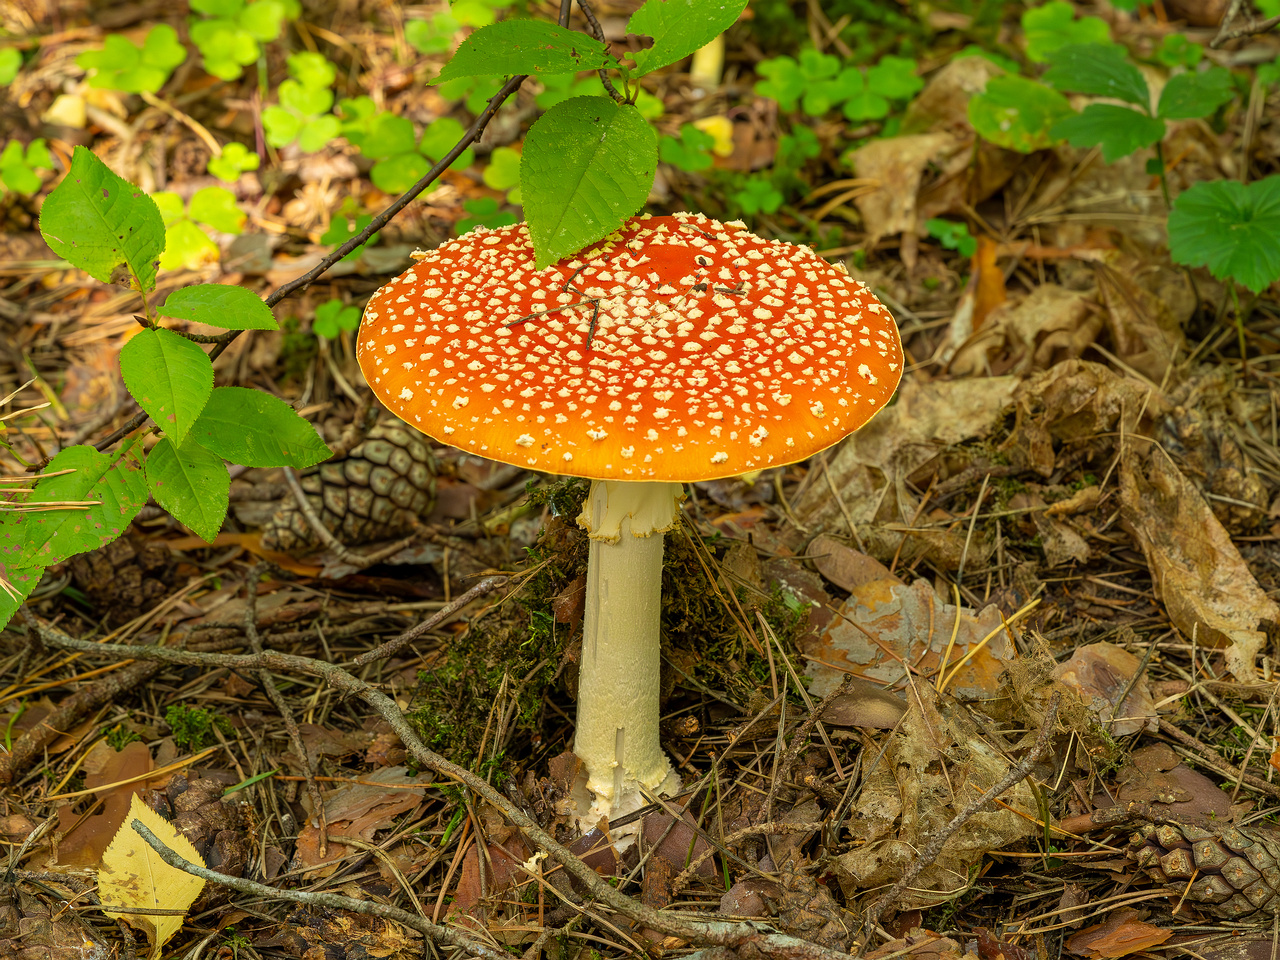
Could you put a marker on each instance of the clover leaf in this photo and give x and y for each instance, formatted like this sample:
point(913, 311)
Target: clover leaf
point(18, 166)
point(334, 316)
point(952, 235)
point(1177, 51)
point(230, 40)
point(484, 212)
point(10, 64)
point(236, 159)
point(1230, 227)
point(758, 195)
point(121, 65)
point(303, 111)
point(894, 78)
point(503, 172)
point(345, 225)
point(186, 245)
point(691, 152)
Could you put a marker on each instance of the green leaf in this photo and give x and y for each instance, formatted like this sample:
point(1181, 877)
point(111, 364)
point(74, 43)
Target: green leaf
point(866, 105)
point(691, 152)
point(216, 206)
point(220, 305)
point(170, 205)
point(440, 137)
point(1099, 70)
point(1118, 130)
point(434, 35)
point(1054, 25)
point(190, 482)
point(334, 316)
point(895, 78)
point(784, 81)
point(503, 171)
point(1177, 51)
point(20, 582)
point(536, 47)
point(1231, 228)
point(102, 223)
point(1017, 113)
point(169, 376)
point(10, 64)
point(311, 70)
point(678, 28)
point(263, 20)
point(758, 195)
point(187, 247)
point(47, 537)
point(255, 429)
point(318, 133)
point(1191, 95)
point(281, 126)
point(952, 235)
point(387, 136)
point(588, 165)
point(397, 174)
point(303, 100)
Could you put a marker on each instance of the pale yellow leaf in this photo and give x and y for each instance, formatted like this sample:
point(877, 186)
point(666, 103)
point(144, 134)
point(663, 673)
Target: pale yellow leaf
point(133, 875)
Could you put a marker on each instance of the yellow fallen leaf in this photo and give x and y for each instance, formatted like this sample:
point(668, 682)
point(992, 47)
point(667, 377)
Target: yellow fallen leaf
point(133, 875)
point(721, 130)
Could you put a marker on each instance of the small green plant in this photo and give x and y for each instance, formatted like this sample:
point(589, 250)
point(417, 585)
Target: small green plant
point(1177, 51)
point(18, 166)
point(1104, 71)
point(345, 224)
point(193, 728)
point(691, 152)
point(107, 227)
point(952, 235)
point(334, 316)
point(187, 246)
point(758, 195)
point(818, 83)
point(302, 115)
point(401, 159)
point(1017, 114)
point(503, 172)
point(1230, 227)
point(118, 737)
point(235, 160)
point(122, 65)
point(230, 36)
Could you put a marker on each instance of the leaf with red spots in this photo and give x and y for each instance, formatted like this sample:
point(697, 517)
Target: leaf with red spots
point(103, 224)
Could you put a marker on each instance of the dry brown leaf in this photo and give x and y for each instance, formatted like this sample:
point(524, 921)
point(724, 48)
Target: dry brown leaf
point(886, 623)
point(1100, 673)
point(357, 810)
point(133, 875)
point(87, 838)
point(1196, 570)
point(898, 164)
point(1048, 326)
point(1122, 935)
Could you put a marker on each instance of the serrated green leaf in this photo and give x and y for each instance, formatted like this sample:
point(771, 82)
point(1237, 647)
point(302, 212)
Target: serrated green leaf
point(536, 47)
point(1188, 96)
point(169, 376)
point(255, 429)
point(1100, 70)
point(47, 537)
point(1118, 130)
point(190, 482)
point(102, 223)
point(1231, 228)
point(216, 206)
point(1055, 25)
point(678, 28)
point(1017, 113)
point(17, 586)
point(220, 305)
point(588, 165)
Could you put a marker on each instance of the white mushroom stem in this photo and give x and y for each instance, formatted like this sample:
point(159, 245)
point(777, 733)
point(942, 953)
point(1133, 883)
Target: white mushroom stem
point(617, 725)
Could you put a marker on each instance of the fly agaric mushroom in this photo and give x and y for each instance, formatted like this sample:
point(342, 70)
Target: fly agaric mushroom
point(676, 349)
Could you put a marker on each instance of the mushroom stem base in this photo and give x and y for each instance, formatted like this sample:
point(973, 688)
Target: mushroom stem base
point(617, 724)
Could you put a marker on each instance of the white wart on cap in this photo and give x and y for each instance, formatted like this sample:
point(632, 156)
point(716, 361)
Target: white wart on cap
point(679, 348)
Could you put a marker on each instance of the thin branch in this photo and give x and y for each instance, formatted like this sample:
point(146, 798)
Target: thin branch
point(1251, 28)
point(598, 31)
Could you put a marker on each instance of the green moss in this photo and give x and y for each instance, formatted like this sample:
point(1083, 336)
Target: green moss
point(118, 737)
point(193, 727)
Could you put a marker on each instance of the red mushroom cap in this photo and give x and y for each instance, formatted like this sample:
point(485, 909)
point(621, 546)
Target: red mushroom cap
point(678, 349)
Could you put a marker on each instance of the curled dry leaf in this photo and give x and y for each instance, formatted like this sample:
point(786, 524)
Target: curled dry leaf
point(1123, 934)
point(133, 875)
point(1048, 326)
point(1196, 571)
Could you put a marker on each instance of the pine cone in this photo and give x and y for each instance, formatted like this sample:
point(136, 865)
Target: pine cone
point(1236, 870)
point(376, 492)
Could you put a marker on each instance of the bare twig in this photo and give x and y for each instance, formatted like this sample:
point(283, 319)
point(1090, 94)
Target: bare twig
point(599, 35)
point(929, 852)
point(1251, 28)
point(482, 589)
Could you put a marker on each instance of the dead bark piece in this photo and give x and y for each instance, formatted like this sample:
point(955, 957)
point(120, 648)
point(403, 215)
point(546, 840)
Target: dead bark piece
point(1196, 570)
point(1121, 935)
point(1101, 673)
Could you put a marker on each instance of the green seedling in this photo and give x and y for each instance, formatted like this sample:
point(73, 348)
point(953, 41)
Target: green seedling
point(187, 245)
point(236, 159)
point(952, 235)
point(1103, 71)
point(1055, 25)
point(806, 81)
point(10, 64)
point(302, 114)
point(122, 65)
point(389, 140)
point(230, 38)
point(691, 152)
point(503, 172)
point(893, 78)
point(333, 316)
point(483, 211)
point(18, 166)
